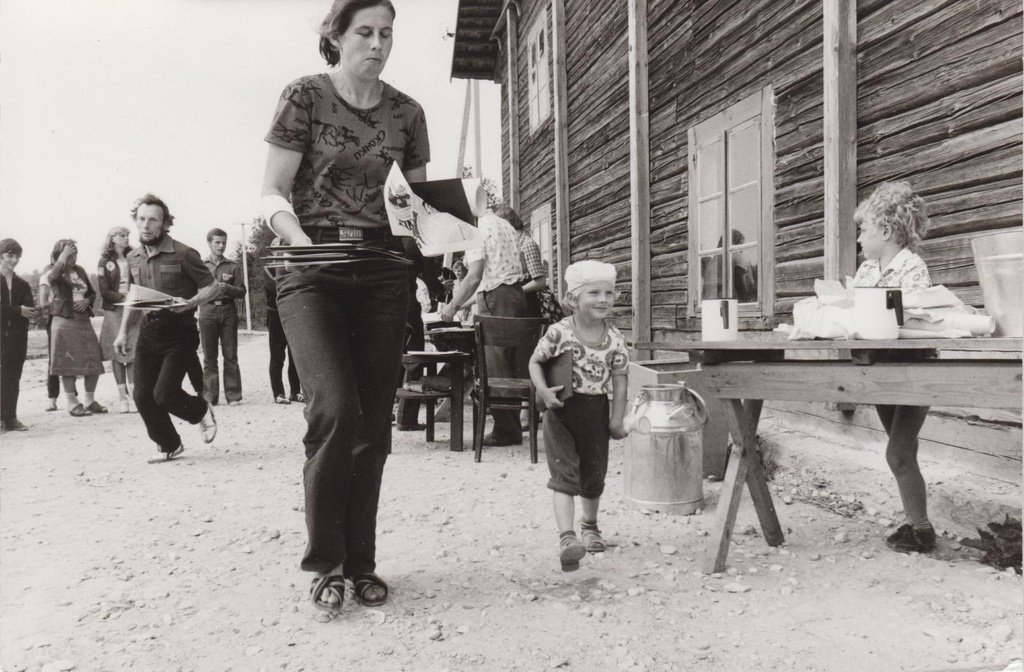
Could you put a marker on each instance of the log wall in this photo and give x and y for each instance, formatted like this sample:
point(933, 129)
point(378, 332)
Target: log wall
point(939, 105)
point(704, 57)
point(536, 149)
point(598, 119)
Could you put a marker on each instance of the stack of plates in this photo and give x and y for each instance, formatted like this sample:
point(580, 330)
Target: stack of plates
point(155, 304)
point(328, 254)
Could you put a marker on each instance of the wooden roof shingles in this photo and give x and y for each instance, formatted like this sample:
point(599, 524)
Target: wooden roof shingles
point(475, 55)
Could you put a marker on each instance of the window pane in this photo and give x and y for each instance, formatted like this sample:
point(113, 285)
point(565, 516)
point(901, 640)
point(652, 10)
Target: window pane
point(745, 215)
point(710, 216)
point(709, 165)
point(711, 286)
point(744, 275)
point(744, 154)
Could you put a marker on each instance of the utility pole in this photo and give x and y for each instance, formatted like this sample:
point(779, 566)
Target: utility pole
point(245, 278)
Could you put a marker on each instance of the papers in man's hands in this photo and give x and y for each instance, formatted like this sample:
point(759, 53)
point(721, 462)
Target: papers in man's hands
point(428, 217)
point(144, 298)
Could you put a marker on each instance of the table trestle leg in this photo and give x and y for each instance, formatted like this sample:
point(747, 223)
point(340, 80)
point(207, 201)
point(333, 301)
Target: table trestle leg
point(744, 467)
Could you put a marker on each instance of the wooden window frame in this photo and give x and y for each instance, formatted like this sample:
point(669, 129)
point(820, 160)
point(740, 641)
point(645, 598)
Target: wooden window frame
point(540, 231)
point(539, 105)
point(761, 106)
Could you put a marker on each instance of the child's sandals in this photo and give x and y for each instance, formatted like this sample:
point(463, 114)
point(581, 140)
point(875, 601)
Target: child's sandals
point(592, 539)
point(570, 552)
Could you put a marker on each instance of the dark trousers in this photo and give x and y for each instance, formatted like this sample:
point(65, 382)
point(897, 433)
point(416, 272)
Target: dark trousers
point(409, 409)
point(195, 374)
point(345, 328)
point(218, 330)
point(166, 346)
point(278, 349)
point(52, 382)
point(13, 349)
point(504, 301)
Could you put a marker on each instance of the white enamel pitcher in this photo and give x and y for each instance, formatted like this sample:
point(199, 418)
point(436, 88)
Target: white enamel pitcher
point(877, 312)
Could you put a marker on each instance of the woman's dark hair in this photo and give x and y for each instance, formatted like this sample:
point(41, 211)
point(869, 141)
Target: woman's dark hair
point(509, 214)
point(338, 21)
point(10, 246)
point(58, 247)
point(150, 199)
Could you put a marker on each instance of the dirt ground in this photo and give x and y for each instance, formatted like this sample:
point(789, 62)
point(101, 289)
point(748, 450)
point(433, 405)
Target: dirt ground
point(109, 563)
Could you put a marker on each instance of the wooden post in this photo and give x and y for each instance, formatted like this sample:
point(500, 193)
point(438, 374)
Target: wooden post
point(639, 174)
point(512, 88)
point(561, 141)
point(478, 170)
point(465, 132)
point(840, 124)
point(245, 280)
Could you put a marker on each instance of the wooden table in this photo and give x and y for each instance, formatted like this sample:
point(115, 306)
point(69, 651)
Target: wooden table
point(454, 363)
point(976, 372)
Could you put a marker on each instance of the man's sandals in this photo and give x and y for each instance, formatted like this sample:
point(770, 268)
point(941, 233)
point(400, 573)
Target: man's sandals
point(328, 592)
point(370, 590)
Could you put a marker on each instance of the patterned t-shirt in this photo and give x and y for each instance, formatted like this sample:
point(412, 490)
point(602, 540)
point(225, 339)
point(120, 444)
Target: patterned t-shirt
point(346, 151)
point(906, 271)
point(593, 365)
point(502, 261)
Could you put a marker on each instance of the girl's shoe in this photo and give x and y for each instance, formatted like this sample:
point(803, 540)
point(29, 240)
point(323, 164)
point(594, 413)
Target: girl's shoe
point(570, 552)
point(51, 405)
point(123, 407)
point(95, 407)
point(79, 411)
point(281, 399)
point(592, 539)
point(908, 539)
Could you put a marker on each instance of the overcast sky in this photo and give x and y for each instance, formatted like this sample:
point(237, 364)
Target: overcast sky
point(102, 101)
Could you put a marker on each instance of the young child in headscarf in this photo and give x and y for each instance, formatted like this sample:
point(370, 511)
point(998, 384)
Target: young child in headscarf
point(577, 431)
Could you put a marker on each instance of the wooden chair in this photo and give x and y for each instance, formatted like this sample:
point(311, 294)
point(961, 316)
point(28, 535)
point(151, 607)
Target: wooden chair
point(520, 334)
point(428, 362)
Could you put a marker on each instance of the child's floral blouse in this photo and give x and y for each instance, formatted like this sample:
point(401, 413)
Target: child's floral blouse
point(592, 365)
point(906, 271)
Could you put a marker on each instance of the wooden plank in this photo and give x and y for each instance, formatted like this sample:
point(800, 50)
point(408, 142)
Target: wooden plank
point(945, 29)
point(639, 171)
point(962, 348)
point(981, 384)
point(840, 124)
point(730, 494)
point(984, 57)
point(974, 446)
point(766, 293)
point(512, 84)
point(561, 152)
point(950, 152)
point(757, 483)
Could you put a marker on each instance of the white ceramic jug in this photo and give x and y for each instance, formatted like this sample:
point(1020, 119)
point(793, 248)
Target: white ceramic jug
point(877, 312)
point(718, 320)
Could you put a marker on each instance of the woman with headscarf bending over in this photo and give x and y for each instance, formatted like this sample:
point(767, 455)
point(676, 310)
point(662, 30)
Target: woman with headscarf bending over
point(333, 139)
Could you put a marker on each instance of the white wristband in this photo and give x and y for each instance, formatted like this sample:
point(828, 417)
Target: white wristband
point(272, 204)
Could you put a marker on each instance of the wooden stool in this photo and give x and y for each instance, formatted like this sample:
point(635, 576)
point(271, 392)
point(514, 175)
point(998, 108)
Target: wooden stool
point(428, 362)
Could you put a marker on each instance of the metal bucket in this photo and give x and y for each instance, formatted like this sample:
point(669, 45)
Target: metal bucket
point(999, 258)
point(663, 467)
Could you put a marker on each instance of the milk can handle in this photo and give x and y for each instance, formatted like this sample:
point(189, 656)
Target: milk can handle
point(702, 408)
point(701, 412)
point(640, 400)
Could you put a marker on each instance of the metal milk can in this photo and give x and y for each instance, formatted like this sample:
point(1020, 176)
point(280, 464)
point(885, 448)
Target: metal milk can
point(663, 466)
